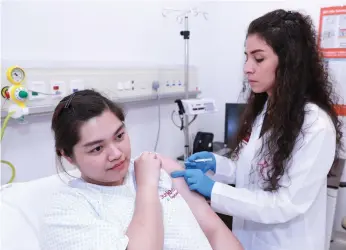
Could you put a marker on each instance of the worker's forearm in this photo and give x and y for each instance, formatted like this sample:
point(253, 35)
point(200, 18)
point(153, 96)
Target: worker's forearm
point(146, 228)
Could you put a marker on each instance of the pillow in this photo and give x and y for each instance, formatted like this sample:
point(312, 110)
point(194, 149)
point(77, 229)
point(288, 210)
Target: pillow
point(22, 207)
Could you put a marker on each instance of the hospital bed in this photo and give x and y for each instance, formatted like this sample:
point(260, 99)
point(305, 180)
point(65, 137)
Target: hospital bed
point(22, 207)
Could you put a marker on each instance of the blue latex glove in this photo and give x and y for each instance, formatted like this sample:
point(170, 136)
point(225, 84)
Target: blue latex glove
point(204, 166)
point(196, 180)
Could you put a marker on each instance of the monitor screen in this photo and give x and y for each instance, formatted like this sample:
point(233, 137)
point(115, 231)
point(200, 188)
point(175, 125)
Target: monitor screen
point(232, 119)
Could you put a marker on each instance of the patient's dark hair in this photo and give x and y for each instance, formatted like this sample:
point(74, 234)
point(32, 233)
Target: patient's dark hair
point(74, 110)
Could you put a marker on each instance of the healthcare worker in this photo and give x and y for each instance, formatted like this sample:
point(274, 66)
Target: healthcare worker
point(280, 173)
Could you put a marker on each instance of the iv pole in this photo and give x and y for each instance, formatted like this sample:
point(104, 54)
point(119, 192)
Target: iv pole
point(184, 14)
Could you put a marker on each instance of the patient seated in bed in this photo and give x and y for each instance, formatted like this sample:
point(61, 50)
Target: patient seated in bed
point(120, 203)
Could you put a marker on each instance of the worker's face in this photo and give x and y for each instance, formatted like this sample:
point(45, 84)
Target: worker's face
point(261, 64)
point(103, 153)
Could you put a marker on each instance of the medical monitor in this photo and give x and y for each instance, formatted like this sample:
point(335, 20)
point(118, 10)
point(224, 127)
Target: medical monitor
point(233, 113)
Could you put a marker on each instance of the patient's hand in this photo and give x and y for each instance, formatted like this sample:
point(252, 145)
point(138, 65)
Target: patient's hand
point(147, 169)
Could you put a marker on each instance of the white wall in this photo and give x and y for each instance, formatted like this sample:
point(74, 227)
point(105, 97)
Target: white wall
point(132, 32)
point(101, 31)
point(224, 66)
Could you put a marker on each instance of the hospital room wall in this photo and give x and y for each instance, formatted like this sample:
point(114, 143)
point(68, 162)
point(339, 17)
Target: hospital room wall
point(108, 31)
point(223, 80)
point(98, 32)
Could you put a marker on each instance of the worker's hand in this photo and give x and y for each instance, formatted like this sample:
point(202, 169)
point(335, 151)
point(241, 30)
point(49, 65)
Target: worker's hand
point(147, 169)
point(191, 163)
point(196, 180)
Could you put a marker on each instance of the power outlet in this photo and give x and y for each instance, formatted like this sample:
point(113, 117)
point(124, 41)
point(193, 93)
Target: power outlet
point(76, 85)
point(120, 86)
point(58, 89)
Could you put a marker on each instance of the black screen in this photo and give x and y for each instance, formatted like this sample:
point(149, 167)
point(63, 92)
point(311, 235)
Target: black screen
point(232, 119)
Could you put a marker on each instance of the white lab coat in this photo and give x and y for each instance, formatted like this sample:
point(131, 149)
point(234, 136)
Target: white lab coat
point(294, 217)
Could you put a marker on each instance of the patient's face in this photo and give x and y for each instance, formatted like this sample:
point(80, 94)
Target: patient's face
point(103, 153)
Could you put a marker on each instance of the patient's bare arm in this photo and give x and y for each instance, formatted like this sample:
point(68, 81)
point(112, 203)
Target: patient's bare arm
point(218, 234)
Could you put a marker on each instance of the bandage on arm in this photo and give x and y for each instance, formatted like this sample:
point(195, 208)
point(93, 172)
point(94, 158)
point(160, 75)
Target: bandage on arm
point(218, 234)
point(146, 228)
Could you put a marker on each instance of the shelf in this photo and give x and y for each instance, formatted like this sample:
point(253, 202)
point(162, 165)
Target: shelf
point(48, 109)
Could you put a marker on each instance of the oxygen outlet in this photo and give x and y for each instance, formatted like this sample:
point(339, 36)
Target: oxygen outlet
point(23, 94)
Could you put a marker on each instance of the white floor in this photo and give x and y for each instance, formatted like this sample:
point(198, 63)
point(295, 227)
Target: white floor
point(339, 241)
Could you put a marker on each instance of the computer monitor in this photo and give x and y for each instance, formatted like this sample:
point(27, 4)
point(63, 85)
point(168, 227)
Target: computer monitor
point(232, 119)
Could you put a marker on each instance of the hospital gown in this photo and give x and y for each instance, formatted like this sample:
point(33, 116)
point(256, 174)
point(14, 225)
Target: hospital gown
point(86, 216)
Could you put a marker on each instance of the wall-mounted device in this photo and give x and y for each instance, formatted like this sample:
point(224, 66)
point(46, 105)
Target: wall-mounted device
point(198, 106)
point(16, 93)
point(195, 107)
point(47, 85)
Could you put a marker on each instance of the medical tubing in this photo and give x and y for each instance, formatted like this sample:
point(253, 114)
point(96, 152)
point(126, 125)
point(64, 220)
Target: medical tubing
point(5, 123)
point(2, 135)
point(13, 170)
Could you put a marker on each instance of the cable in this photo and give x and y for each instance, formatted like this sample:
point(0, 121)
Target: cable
point(193, 119)
point(3, 103)
point(13, 170)
point(172, 114)
point(2, 135)
point(182, 120)
point(159, 125)
point(156, 86)
point(5, 123)
point(39, 92)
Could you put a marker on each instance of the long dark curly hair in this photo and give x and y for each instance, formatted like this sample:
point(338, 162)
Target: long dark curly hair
point(300, 78)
